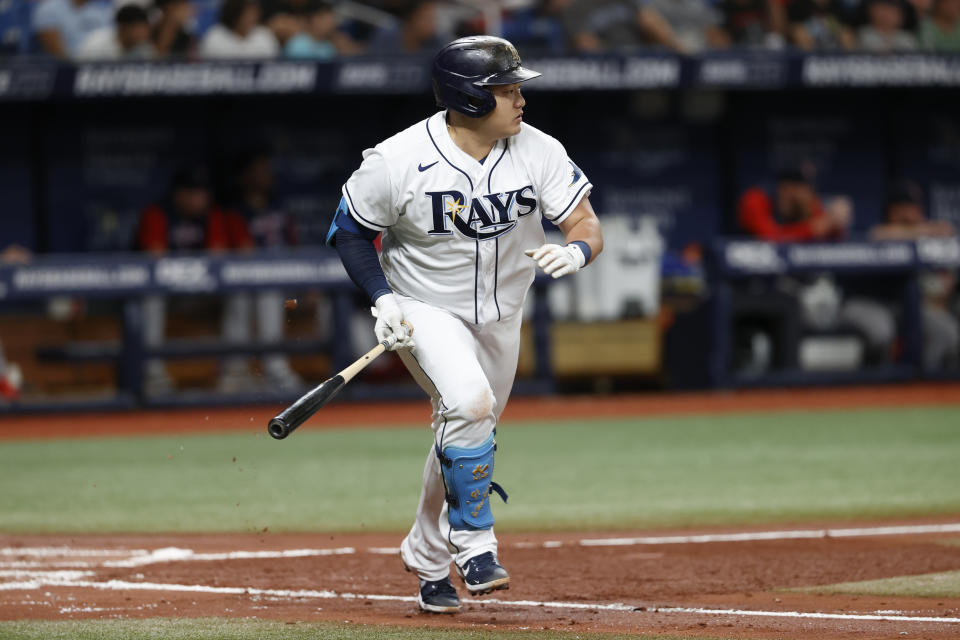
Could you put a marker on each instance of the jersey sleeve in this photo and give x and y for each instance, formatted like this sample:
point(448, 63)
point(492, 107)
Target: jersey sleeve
point(217, 231)
point(563, 184)
point(152, 231)
point(369, 193)
point(755, 213)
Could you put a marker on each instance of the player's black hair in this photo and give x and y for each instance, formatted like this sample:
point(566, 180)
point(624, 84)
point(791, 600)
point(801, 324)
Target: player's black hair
point(406, 10)
point(190, 177)
point(249, 153)
point(904, 192)
point(130, 14)
point(231, 11)
point(798, 173)
point(316, 6)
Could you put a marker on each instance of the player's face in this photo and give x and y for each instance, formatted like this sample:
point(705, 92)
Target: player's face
point(192, 202)
point(795, 200)
point(506, 118)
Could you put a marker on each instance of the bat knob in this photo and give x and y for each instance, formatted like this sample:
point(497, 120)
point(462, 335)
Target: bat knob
point(392, 340)
point(277, 429)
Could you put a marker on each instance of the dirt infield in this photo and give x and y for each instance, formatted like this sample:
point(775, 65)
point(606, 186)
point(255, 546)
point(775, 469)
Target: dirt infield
point(382, 414)
point(716, 583)
point(696, 586)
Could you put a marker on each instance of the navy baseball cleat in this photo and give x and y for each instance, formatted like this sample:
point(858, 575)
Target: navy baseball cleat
point(483, 574)
point(438, 596)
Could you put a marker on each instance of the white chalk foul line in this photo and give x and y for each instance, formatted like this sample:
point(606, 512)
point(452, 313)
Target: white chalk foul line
point(803, 614)
point(175, 554)
point(73, 552)
point(122, 585)
point(36, 564)
point(138, 557)
point(754, 536)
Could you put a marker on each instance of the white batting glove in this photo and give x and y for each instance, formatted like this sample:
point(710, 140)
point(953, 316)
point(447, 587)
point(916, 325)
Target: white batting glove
point(390, 325)
point(558, 261)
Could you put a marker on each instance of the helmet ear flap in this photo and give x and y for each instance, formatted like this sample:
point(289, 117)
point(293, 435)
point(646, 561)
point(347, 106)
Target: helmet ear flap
point(474, 102)
point(479, 105)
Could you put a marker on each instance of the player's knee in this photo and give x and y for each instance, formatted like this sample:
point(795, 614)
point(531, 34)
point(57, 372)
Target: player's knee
point(473, 405)
point(479, 405)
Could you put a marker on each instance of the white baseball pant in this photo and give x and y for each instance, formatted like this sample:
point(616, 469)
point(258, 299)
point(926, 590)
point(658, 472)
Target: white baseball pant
point(468, 371)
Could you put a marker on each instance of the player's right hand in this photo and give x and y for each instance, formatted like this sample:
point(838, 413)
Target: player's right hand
point(558, 261)
point(390, 325)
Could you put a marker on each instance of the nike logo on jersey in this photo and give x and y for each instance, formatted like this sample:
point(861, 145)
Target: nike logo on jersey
point(482, 218)
point(424, 168)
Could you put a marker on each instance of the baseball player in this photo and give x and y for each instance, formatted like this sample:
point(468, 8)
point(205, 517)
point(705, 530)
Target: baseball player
point(458, 199)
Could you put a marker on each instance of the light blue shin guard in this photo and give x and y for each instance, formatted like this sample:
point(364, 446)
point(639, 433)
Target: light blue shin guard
point(467, 474)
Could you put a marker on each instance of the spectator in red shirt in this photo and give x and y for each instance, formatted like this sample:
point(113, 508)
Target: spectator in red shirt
point(795, 213)
point(187, 220)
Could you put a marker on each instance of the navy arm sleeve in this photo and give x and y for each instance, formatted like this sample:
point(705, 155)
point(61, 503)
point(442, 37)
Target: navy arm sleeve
point(354, 244)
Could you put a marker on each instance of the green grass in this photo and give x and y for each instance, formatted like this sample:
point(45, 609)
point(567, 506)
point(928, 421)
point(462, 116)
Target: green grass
point(928, 585)
point(776, 467)
point(243, 629)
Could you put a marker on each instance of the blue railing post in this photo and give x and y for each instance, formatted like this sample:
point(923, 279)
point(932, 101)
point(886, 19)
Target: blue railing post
point(541, 334)
point(132, 359)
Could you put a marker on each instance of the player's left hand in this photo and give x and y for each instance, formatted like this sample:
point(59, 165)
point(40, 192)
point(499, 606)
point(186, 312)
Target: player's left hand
point(558, 261)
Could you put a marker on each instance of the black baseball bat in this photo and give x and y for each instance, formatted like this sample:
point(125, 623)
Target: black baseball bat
point(285, 422)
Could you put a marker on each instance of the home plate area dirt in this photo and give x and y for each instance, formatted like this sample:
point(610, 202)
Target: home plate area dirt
point(717, 583)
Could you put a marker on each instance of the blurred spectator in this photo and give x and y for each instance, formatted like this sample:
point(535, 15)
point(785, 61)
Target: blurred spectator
point(271, 228)
point(795, 213)
point(603, 25)
point(940, 31)
point(684, 26)
point(415, 33)
point(905, 217)
point(239, 34)
point(913, 12)
point(819, 24)
point(172, 35)
point(11, 378)
point(285, 18)
point(906, 220)
point(857, 14)
point(127, 39)
point(61, 25)
point(884, 30)
point(538, 27)
point(320, 39)
point(188, 221)
point(754, 23)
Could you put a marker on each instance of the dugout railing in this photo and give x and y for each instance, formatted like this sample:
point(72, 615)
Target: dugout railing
point(130, 278)
point(896, 265)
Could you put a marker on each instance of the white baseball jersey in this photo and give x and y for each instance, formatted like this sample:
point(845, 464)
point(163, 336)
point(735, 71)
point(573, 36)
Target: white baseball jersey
point(454, 229)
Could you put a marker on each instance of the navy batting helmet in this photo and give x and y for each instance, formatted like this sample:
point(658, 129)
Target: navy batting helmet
point(463, 69)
